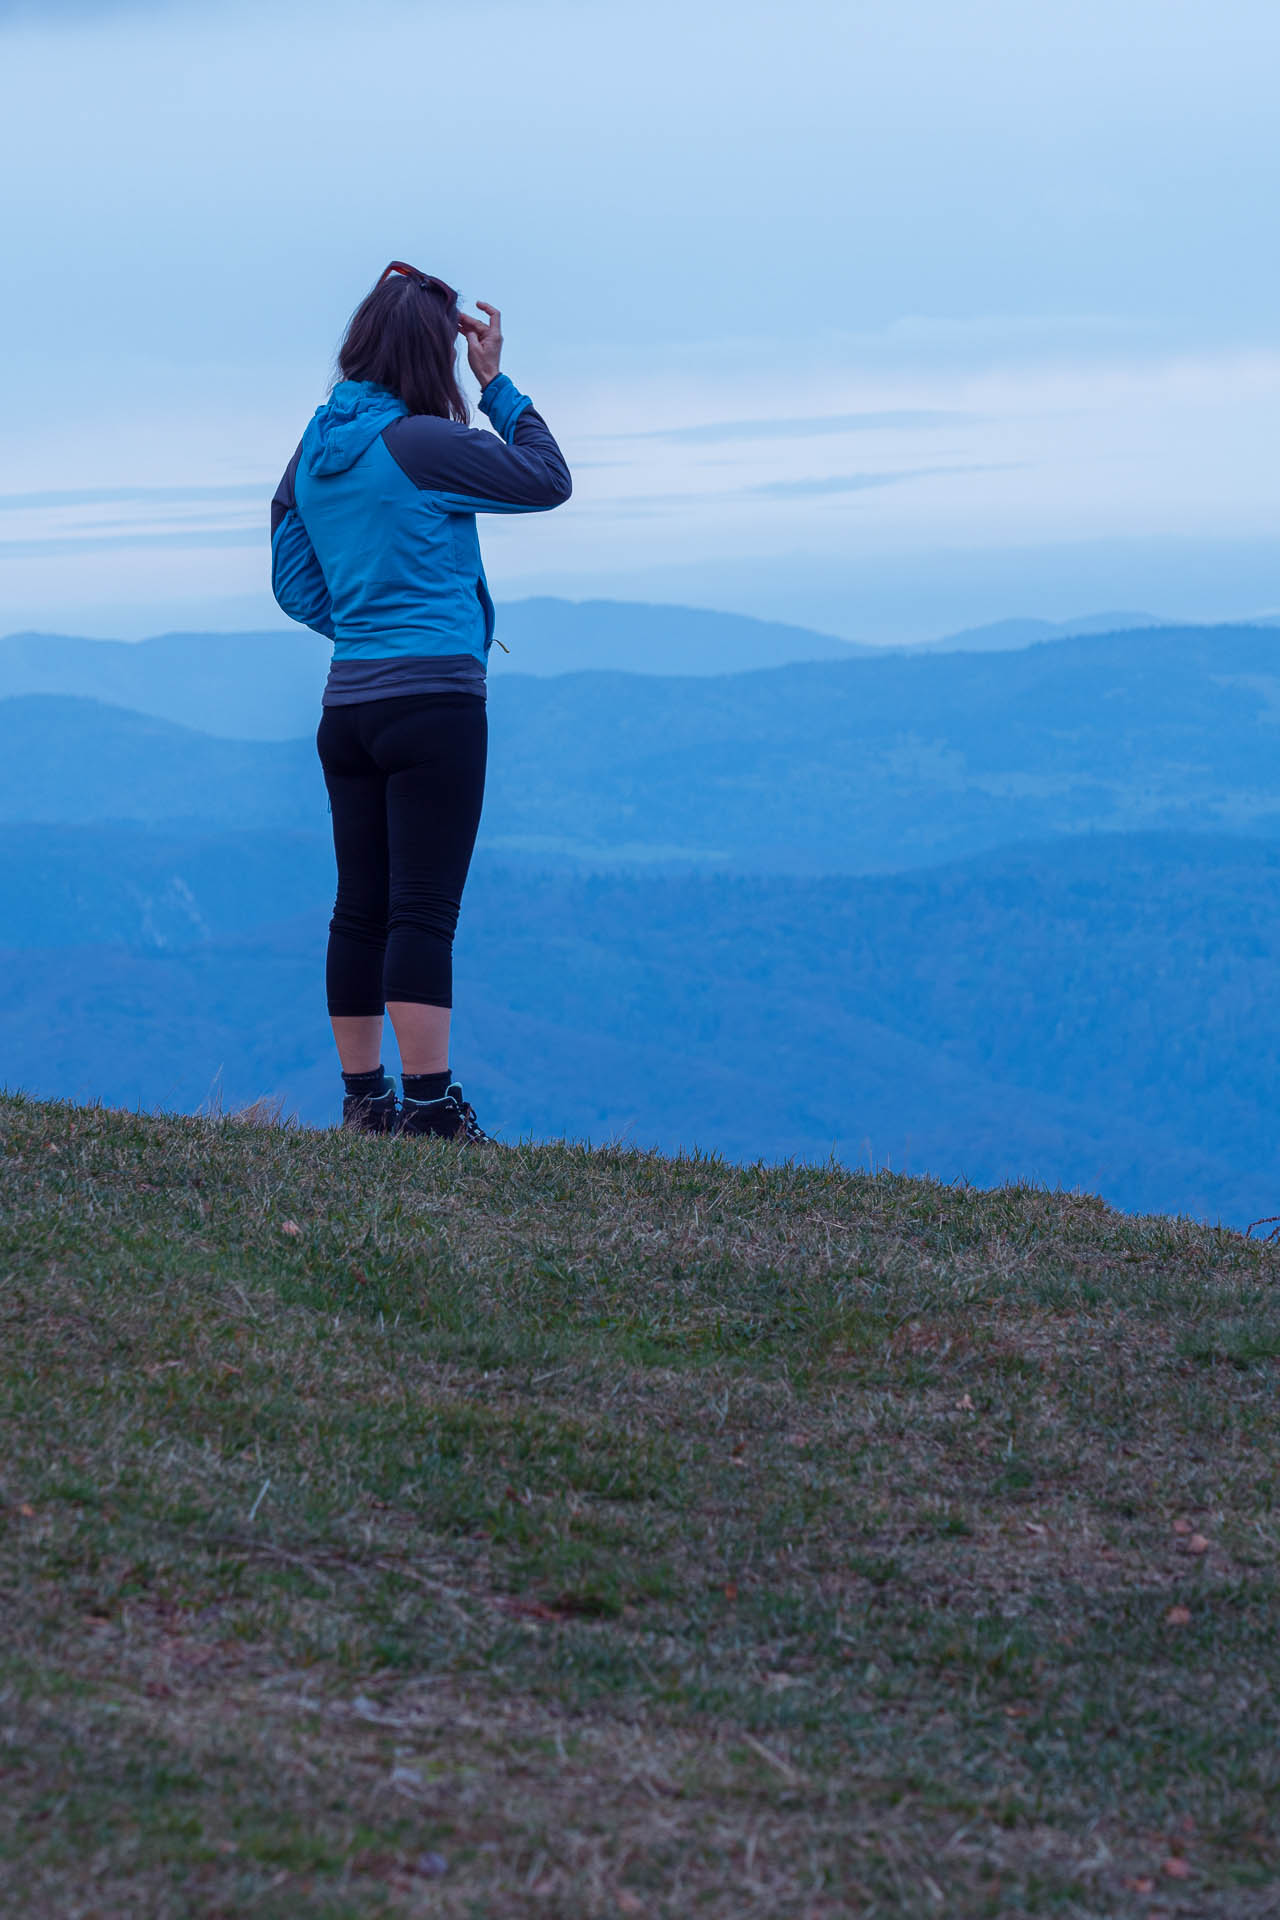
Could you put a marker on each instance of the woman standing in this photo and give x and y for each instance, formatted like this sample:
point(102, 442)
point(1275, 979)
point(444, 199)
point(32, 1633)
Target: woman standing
point(373, 543)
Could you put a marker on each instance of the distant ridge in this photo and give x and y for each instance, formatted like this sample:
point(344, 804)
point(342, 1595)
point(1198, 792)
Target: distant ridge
point(877, 762)
point(548, 636)
point(1008, 636)
point(266, 686)
point(240, 686)
point(1095, 1012)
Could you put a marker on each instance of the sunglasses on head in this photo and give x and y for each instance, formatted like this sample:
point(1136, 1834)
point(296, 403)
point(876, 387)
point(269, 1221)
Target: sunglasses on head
point(423, 279)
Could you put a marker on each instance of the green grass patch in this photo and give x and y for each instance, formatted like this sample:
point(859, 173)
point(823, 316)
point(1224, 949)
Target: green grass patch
point(389, 1529)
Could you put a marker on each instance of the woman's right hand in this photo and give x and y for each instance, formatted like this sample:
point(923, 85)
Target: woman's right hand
point(484, 342)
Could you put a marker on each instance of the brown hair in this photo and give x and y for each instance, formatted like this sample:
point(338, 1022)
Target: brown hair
point(403, 337)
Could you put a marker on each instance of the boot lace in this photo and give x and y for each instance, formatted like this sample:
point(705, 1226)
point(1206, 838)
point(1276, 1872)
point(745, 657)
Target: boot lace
point(471, 1128)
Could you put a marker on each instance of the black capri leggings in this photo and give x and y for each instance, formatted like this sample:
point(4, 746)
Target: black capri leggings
point(406, 783)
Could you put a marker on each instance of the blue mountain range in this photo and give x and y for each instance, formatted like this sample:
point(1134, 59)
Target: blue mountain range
point(991, 915)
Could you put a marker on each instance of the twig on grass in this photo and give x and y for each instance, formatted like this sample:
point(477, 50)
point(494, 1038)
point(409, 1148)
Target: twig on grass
point(784, 1767)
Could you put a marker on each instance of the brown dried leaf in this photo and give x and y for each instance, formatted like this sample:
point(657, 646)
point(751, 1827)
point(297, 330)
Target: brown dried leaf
point(1181, 1526)
point(527, 1609)
point(1177, 1869)
point(1197, 1544)
point(290, 1227)
point(965, 1403)
point(1178, 1617)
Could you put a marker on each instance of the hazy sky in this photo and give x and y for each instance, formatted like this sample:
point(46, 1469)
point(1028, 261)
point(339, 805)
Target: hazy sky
point(881, 315)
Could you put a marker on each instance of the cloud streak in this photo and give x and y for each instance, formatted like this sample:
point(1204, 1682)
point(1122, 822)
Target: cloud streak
point(55, 16)
point(69, 543)
point(862, 482)
point(113, 496)
point(718, 432)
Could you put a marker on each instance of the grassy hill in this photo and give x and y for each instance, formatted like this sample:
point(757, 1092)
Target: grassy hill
point(391, 1531)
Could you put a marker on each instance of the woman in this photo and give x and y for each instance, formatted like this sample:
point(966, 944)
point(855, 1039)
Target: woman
point(373, 542)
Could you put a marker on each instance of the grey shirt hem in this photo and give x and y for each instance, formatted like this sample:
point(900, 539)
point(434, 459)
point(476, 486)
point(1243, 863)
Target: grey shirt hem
point(351, 681)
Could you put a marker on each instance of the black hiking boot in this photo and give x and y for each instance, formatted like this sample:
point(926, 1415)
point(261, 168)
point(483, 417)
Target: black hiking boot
point(451, 1118)
point(369, 1113)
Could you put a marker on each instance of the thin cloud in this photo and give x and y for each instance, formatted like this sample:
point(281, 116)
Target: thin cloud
point(69, 520)
point(111, 496)
point(717, 431)
point(99, 537)
point(57, 13)
point(150, 537)
point(860, 482)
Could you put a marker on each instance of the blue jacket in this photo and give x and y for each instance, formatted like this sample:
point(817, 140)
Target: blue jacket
point(373, 527)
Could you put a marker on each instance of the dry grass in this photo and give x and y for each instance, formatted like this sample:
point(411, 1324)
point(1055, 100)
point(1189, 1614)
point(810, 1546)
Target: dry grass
point(530, 1531)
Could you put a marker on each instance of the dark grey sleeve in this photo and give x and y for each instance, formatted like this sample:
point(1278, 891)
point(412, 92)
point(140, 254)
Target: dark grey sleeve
point(469, 471)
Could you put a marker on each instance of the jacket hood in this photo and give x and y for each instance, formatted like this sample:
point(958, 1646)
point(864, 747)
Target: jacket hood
point(347, 425)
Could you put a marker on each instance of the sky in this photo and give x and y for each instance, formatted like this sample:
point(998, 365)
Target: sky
point(881, 316)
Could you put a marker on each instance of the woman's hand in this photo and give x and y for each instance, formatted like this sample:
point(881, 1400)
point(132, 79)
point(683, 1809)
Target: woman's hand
point(484, 342)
